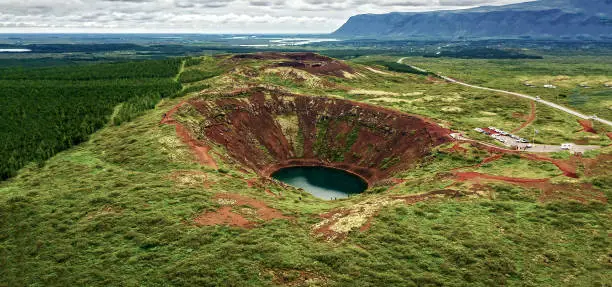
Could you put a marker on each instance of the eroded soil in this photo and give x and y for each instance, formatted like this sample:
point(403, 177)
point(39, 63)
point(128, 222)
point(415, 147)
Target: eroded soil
point(239, 211)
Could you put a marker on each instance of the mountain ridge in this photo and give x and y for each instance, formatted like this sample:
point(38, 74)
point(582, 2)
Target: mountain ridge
point(568, 19)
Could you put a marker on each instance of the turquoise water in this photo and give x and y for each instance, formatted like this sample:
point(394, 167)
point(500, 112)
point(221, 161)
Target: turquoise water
point(322, 182)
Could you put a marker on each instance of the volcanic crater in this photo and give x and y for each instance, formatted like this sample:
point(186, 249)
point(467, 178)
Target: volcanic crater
point(266, 130)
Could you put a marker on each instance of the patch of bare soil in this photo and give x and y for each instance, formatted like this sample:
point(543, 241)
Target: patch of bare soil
point(223, 216)
point(601, 165)
point(311, 62)
point(240, 211)
point(337, 224)
point(191, 179)
point(587, 126)
point(199, 149)
point(377, 71)
point(581, 192)
point(463, 176)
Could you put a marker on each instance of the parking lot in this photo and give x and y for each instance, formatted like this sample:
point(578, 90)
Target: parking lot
point(516, 142)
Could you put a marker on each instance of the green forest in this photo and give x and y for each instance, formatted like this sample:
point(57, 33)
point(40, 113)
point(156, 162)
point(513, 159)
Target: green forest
point(47, 110)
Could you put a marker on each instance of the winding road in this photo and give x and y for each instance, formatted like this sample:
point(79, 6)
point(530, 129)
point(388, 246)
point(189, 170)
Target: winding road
point(550, 104)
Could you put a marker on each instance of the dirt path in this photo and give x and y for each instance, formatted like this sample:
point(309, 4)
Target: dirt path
point(199, 149)
point(581, 192)
point(377, 71)
point(530, 119)
point(463, 176)
point(568, 168)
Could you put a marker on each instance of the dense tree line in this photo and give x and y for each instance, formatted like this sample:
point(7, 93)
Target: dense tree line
point(401, 68)
point(47, 110)
point(481, 53)
point(126, 70)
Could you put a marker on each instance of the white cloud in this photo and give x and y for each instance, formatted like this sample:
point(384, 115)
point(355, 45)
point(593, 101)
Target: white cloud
point(202, 16)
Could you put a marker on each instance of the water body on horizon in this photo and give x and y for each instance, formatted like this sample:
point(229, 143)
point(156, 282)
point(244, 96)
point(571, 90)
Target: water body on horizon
point(322, 182)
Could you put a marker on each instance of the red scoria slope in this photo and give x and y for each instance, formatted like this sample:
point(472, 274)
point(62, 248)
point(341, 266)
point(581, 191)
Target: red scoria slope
point(307, 61)
point(369, 141)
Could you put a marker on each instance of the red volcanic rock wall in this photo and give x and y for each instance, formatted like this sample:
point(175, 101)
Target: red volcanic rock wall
point(370, 141)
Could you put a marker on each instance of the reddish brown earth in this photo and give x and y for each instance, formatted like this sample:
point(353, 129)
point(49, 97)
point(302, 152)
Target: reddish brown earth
point(491, 158)
point(199, 149)
point(223, 216)
point(581, 192)
point(599, 166)
point(458, 148)
point(568, 167)
point(228, 215)
point(310, 62)
point(587, 126)
point(246, 124)
point(463, 176)
point(530, 118)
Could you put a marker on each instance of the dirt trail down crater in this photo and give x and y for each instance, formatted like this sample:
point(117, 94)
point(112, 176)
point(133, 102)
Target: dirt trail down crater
point(199, 149)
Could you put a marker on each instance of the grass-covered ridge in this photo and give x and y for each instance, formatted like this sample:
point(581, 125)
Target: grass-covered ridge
point(119, 208)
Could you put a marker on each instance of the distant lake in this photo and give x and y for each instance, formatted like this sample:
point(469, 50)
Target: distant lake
point(15, 50)
point(278, 42)
point(322, 182)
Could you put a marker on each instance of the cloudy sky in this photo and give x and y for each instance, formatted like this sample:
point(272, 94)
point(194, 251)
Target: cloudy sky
point(203, 16)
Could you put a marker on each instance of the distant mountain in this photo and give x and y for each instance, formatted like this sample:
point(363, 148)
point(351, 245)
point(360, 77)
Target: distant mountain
point(570, 19)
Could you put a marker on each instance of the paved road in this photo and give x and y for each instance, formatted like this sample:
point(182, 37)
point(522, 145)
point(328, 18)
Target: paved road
point(553, 105)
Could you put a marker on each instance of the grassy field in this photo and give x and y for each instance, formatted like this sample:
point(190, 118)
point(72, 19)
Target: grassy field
point(580, 81)
point(119, 209)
